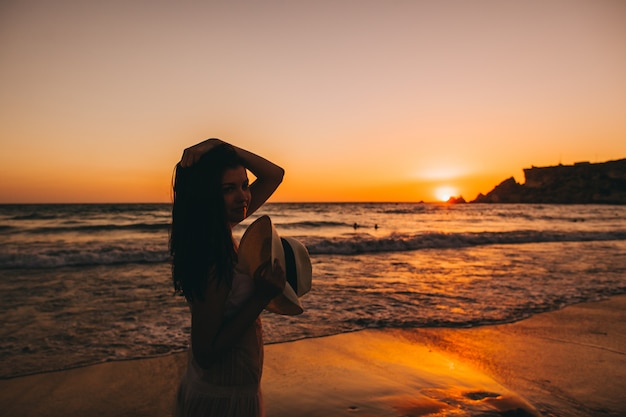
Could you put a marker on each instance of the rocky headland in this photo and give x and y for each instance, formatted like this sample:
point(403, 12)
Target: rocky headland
point(581, 183)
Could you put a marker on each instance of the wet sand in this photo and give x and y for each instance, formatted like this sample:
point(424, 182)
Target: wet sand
point(566, 363)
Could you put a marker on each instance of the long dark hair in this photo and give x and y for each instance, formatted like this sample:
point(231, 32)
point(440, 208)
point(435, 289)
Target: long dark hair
point(201, 242)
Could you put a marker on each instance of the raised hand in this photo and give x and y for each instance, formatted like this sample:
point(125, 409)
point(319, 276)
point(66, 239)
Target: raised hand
point(193, 153)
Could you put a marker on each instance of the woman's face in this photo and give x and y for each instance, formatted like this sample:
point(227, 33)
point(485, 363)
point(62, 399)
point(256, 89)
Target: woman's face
point(236, 192)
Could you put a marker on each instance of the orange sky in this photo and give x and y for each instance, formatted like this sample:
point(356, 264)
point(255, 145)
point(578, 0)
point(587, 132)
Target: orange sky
point(358, 100)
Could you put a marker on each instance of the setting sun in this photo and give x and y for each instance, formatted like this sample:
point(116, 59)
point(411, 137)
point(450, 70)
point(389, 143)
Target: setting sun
point(445, 192)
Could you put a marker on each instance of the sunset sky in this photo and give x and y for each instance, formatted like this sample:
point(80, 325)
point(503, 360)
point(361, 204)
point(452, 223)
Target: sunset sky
point(358, 100)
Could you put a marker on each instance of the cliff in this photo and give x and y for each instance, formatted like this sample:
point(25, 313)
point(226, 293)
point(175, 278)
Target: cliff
point(581, 183)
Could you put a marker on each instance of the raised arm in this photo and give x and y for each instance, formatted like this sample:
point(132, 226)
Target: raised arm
point(268, 175)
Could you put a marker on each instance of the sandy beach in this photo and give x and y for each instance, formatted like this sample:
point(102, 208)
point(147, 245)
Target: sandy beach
point(570, 362)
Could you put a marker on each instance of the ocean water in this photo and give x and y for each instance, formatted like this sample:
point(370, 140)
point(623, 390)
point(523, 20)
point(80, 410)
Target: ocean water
point(82, 284)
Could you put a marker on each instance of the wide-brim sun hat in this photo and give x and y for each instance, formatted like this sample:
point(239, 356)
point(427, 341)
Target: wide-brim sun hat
point(261, 243)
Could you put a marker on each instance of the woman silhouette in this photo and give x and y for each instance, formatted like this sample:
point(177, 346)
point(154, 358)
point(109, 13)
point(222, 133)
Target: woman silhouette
point(211, 195)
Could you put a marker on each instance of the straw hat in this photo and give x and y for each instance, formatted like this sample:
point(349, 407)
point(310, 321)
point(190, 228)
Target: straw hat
point(261, 243)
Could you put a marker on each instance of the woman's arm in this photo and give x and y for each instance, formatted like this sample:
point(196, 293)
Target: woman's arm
point(268, 178)
point(211, 333)
point(268, 175)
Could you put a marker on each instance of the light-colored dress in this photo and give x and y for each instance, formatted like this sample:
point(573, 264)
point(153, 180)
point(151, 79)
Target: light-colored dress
point(231, 386)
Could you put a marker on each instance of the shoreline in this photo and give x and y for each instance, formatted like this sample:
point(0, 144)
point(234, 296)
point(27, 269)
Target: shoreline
point(569, 362)
point(304, 338)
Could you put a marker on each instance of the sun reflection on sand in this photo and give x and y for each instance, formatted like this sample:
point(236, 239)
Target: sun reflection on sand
point(384, 374)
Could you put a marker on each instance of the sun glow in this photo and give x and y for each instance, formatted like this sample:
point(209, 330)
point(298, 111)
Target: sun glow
point(444, 192)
